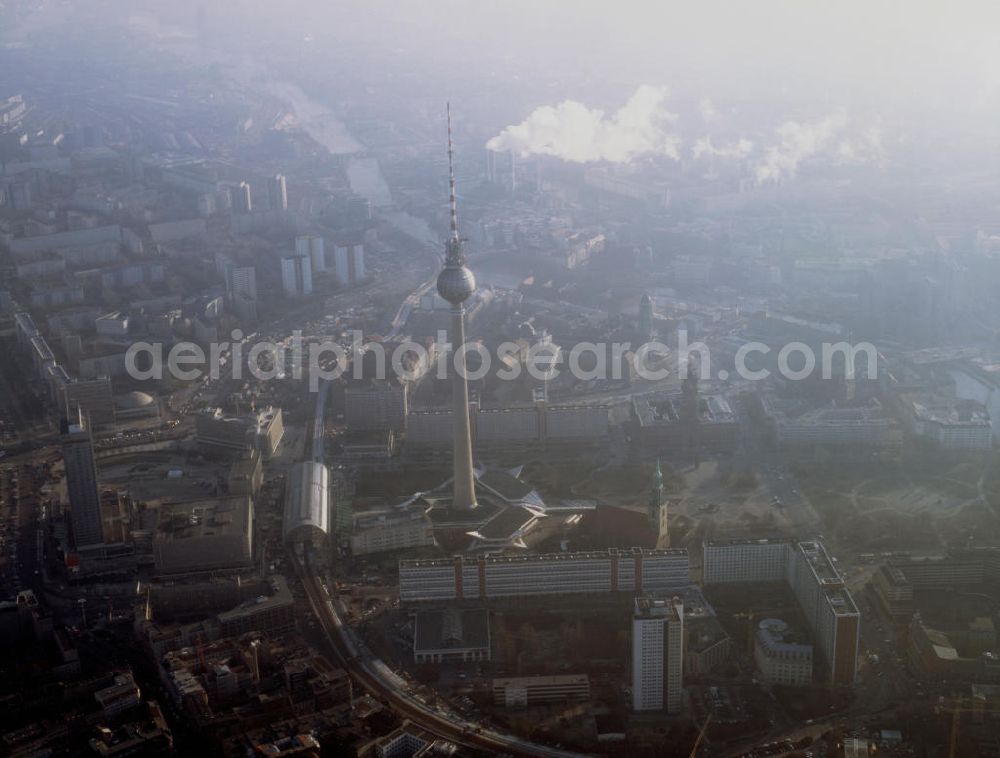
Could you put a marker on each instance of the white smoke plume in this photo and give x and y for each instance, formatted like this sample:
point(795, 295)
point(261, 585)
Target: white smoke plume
point(796, 143)
point(737, 150)
point(833, 139)
point(866, 148)
point(706, 108)
point(574, 132)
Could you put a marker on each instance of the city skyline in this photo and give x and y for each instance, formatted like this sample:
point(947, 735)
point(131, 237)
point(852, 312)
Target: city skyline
point(647, 403)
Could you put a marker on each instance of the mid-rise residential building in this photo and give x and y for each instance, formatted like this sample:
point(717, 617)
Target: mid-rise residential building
point(781, 656)
point(831, 614)
point(381, 532)
point(407, 742)
point(271, 614)
point(112, 324)
point(502, 576)
point(947, 423)
point(727, 562)
point(894, 591)
point(861, 426)
point(90, 398)
point(515, 426)
point(521, 691)
point(121, 696)
point(659, 423)
point(959, 569)
point(980, 383)
point(262, 430)
point(376, 405)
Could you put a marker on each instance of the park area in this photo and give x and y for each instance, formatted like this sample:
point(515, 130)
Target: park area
point(918, 504)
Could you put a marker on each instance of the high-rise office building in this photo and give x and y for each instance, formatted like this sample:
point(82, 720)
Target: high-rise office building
point(296, 275)
point(242, 200)
point(307, 244)
point(243, 281)
point(456, 284)
point(501, 169)
point(349, 263)
point(81, 484)
point(658, 655)
point(277, 192)
point(645, 322)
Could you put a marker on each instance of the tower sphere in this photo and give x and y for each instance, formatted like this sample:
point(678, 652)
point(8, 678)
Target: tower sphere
point(456, 283)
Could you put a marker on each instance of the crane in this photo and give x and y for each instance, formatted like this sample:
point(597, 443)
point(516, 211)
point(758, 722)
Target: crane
point(701, 736)
point(957, 708)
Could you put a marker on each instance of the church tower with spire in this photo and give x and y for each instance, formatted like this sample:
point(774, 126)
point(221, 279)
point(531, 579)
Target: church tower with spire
point(658, 510)
point(456, 283)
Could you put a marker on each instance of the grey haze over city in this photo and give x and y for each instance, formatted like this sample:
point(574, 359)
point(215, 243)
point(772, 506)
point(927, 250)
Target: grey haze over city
point(505, 377)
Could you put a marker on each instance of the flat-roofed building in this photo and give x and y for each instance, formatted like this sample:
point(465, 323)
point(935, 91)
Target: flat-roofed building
point(112, 324)
point(782, 657)
point(246, 475)
point(501, 576)
point(270, 430)
point(521, 691)
point(215, 431)
point(411, 742)
point(376, 406)
point(515, 426)
point(658, 422)
point(658, 654)
point(950, 424)
point(262, 430)
point(736, 561)
point(863, 426)
point(203, 535)
point(391, 530)
point(121, 696)
point(832, 616)
point(91, 397)
point(894, 591)
point(272, 614)
point(941, 571)
point(451, 634)
point(706, 644)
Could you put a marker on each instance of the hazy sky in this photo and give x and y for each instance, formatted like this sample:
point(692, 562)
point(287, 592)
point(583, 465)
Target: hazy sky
point(926, 52)
point(786, 78)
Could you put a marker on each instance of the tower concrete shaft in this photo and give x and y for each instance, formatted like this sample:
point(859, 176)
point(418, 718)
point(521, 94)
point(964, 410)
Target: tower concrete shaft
point(464, 495)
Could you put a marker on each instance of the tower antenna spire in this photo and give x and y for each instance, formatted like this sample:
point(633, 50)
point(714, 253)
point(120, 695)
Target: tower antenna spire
point(451, 180)
point(454, 242)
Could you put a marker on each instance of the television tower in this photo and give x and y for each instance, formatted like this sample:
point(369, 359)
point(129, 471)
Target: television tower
point(455, 284)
